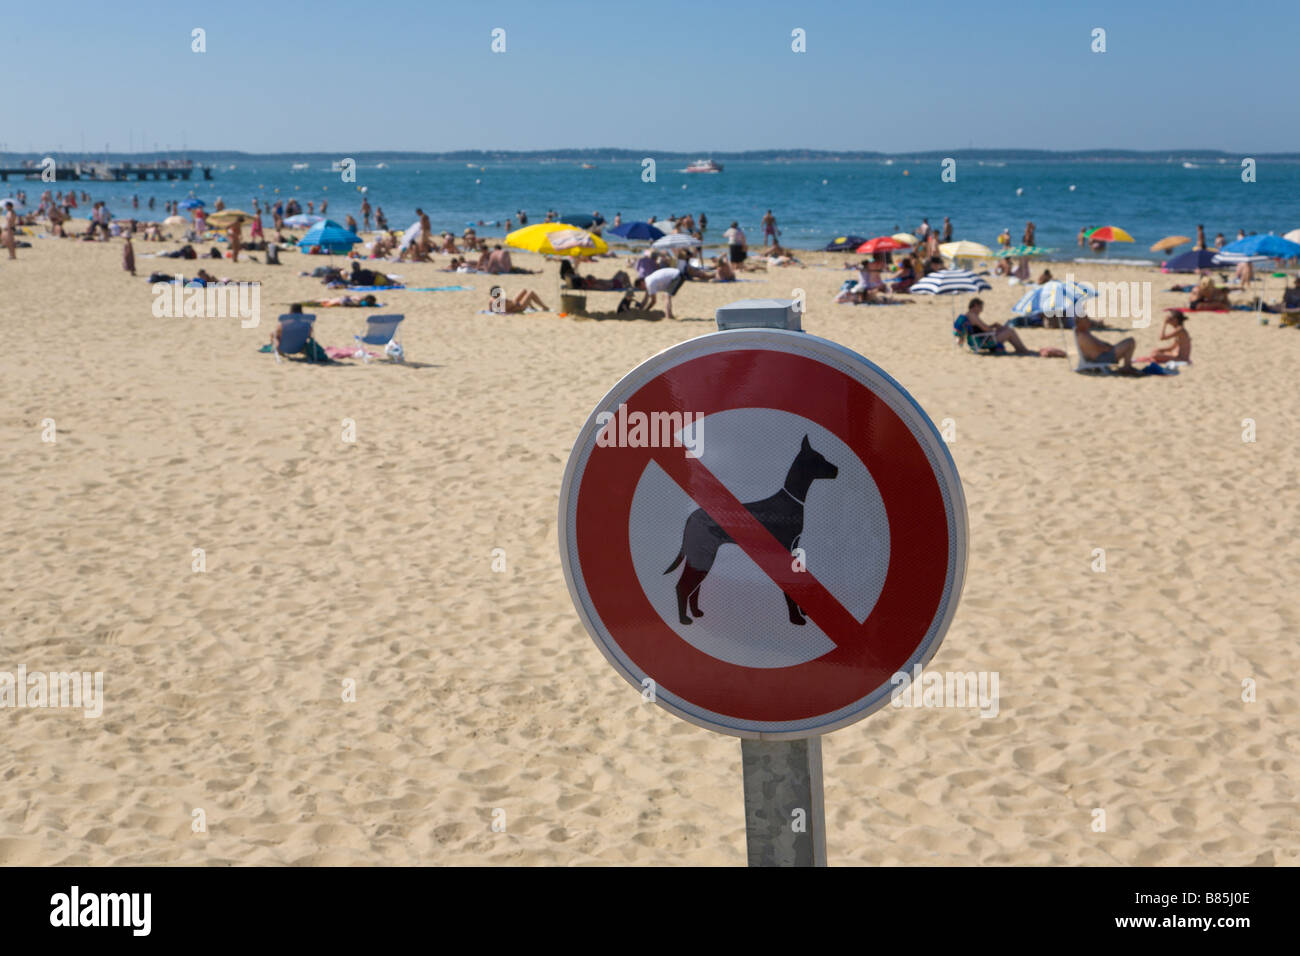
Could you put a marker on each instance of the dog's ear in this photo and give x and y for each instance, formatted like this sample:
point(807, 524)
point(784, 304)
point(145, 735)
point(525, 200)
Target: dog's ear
point(805, 446)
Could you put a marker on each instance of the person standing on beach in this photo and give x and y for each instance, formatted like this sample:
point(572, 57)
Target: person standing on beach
point(1029, 233)
point(11, 231)
point(365, 212)
point(128, 256)
point(923, 230)
point(1200, 239)
point(381, 221)
point(426, 231)
point(704, 224)
point(1219, 241)
point(351, 224)
point(735, 237)
point(947, 229)
point(324, 204)
point(236, 236)
point(769, 228)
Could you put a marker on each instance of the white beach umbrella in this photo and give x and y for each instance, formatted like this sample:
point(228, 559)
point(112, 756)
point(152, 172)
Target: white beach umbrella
point(1293, 235)
point(677, 240)
point(408, 237)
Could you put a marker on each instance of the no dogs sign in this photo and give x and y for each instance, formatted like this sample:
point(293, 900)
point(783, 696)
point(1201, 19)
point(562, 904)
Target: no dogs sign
point(763, 527)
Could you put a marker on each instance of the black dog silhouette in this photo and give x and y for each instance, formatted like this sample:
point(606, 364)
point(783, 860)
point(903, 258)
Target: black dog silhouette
point(781, 514)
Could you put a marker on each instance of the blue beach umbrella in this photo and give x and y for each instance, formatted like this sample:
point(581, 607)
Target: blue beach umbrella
point(1054, 298)
point(192, 203)
point(636, 230)
point(843, 244)
point(1194, 260)
point(329, 236)
point(1275, 247)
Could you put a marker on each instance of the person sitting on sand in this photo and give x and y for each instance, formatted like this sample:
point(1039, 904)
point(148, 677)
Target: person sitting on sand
point(1208, 297)
point(1290, 300)
point(523, 300)
point(1001, 333)
point(449, 244)
point(1046, 277)
point(722, 271)
point(906, 275)
point(1181, 350)
point(1094, 349)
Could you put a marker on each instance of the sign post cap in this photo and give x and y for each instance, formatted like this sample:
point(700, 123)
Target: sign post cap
point(760, 314)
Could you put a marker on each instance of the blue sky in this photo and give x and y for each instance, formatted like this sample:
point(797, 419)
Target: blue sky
point(403, 75)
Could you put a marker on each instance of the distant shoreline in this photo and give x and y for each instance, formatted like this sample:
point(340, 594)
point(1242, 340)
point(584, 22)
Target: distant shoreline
point(612, 154)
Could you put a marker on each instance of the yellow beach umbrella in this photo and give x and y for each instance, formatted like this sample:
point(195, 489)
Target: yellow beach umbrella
point(906, 238)
point(1169, 242)
point(228, 217)
point(965, 249)
point(557, 239)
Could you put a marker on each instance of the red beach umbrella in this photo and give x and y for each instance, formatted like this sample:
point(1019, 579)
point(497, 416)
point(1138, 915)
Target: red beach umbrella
point(881, 244)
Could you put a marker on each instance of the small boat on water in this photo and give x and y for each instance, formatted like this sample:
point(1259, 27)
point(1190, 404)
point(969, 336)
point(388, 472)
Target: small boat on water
point(300, 165)
point(381, 165)
point(704, 166)
point(588, 166)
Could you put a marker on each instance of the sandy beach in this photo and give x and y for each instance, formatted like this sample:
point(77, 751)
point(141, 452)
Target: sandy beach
point(329, 562)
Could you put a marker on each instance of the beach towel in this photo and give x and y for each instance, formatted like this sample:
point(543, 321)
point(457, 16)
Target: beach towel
point(440, 288)
point(371, 288)
point(342, 352)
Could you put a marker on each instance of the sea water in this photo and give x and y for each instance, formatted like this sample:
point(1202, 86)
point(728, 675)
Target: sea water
point(813, 200)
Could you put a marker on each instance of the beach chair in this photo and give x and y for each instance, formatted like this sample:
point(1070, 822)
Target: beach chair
point(295, 331)
point(981, 343)
point(381, 331)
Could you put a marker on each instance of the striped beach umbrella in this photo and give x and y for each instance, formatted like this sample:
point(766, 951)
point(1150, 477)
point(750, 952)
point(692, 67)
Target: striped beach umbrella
point(677, 240)
point(950, 282)
point(1054, 298)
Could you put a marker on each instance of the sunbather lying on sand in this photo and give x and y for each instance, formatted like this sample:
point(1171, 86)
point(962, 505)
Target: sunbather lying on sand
point(522, 301)
point(345, 301)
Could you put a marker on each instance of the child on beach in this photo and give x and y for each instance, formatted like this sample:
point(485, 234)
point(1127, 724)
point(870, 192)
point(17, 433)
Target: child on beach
point(128, 256)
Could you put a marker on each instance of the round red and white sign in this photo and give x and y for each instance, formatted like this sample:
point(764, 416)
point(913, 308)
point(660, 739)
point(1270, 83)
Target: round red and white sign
point(763, 528)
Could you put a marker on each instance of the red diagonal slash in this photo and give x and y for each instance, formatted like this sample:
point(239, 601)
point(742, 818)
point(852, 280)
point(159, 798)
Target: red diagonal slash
point(761, 546)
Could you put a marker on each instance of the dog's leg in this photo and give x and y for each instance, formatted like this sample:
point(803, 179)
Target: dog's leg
point(695, 601)
point(796, 615)
point(687, 589)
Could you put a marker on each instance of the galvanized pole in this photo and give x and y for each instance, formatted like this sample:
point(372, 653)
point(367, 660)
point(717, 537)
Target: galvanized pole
point(785, 817)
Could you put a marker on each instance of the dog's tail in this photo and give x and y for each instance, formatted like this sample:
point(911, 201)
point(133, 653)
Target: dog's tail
point(677, 560)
